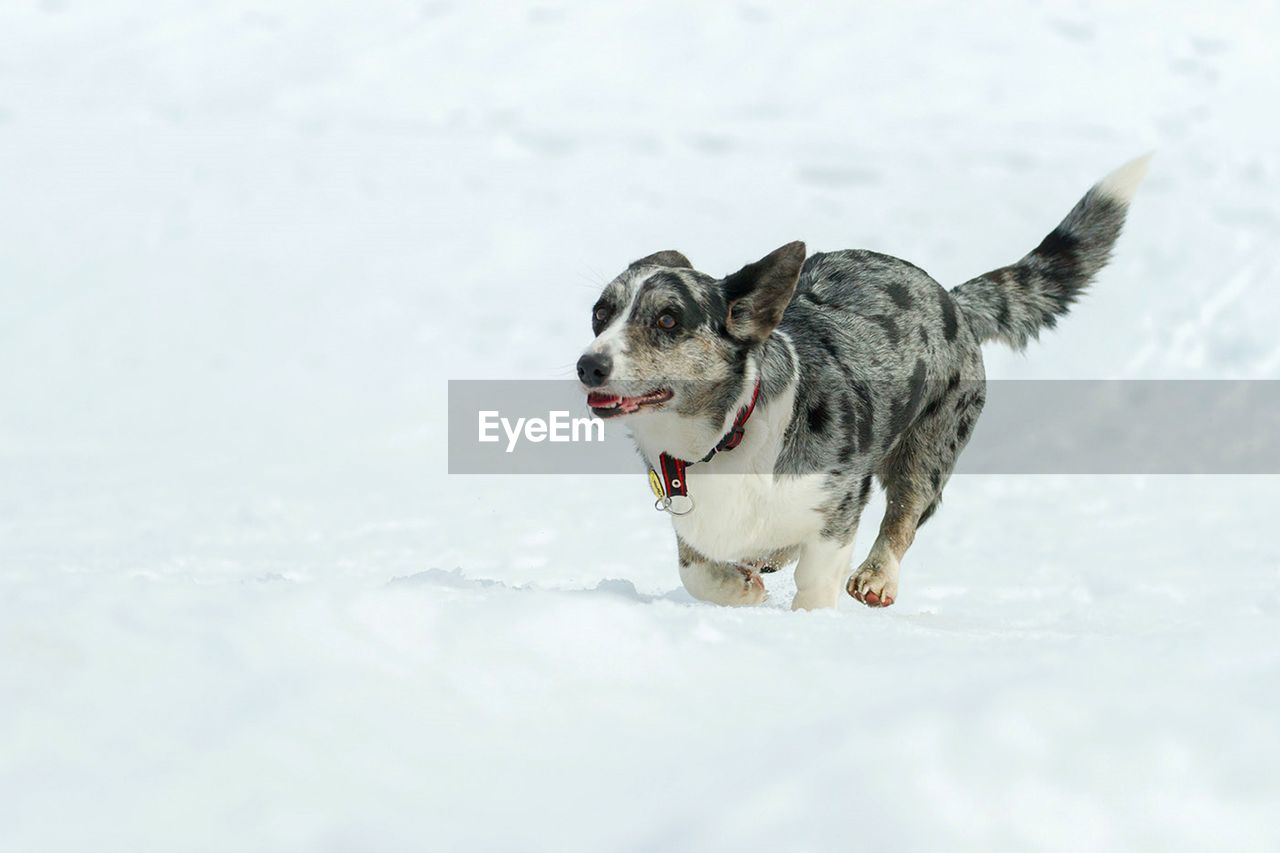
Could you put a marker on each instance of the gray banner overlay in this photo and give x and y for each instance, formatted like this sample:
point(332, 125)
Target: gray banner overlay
point(1027, 427)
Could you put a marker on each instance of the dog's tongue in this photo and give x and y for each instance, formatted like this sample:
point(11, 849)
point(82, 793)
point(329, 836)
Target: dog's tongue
point(597, 400)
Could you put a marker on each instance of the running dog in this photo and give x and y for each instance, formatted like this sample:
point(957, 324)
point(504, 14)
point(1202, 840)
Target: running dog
point(764, 402)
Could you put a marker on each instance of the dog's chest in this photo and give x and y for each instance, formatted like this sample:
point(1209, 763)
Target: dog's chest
point(747, 516)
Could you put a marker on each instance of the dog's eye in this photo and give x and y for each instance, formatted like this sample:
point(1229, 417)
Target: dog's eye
point(666, 321)
point(601, 314)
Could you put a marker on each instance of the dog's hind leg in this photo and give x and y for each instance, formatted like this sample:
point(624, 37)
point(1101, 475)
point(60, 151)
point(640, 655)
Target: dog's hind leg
point(875, 583)
point(914, 474)
point(719, 583)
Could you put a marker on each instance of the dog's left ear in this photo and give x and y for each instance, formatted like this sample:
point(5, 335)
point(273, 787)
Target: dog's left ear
point(758, 293)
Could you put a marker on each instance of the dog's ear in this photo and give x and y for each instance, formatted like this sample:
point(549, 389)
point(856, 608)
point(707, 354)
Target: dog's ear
point(665, 258)
point(758, 293)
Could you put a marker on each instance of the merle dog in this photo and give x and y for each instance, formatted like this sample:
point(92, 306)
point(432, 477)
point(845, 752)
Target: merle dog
point(818, 373)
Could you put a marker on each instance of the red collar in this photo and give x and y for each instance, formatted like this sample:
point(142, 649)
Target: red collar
point(672, 483)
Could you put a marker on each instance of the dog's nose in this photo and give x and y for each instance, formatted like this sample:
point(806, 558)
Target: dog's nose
point(593, 369)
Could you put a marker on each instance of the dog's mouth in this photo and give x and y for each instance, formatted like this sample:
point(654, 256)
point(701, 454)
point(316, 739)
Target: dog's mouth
point(605, 405)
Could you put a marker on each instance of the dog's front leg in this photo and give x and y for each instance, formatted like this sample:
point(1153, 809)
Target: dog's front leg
point(719, 583)
point(820, 575)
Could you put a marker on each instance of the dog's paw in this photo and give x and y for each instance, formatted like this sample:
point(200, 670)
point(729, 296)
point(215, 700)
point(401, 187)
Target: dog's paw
point(718, 583)
point(875, 584)
point(815, 599)
point(753, 591)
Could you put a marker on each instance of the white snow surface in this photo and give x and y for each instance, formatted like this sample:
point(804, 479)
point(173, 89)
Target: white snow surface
point(243, 607)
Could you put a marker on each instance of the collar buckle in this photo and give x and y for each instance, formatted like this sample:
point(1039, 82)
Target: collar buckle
point(733, 438)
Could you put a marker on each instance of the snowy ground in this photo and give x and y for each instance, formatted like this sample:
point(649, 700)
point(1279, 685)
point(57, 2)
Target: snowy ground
point(242, 247)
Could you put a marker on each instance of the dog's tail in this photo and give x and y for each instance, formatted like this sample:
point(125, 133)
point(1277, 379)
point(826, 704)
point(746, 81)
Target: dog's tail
point(1014, 303)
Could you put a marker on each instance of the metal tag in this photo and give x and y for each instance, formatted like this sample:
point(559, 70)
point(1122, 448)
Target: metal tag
point(677, 505)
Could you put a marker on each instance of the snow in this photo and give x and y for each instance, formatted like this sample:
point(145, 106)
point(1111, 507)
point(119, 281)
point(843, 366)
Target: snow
point(242, 606)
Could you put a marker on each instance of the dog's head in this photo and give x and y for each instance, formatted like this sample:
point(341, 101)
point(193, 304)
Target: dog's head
point(670, 338)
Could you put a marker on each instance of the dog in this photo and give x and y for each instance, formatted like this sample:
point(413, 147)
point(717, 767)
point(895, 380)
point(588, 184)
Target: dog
point(765, 402)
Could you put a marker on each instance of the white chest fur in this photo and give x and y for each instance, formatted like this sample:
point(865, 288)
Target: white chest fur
point(740, 509)
point(749, 516)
